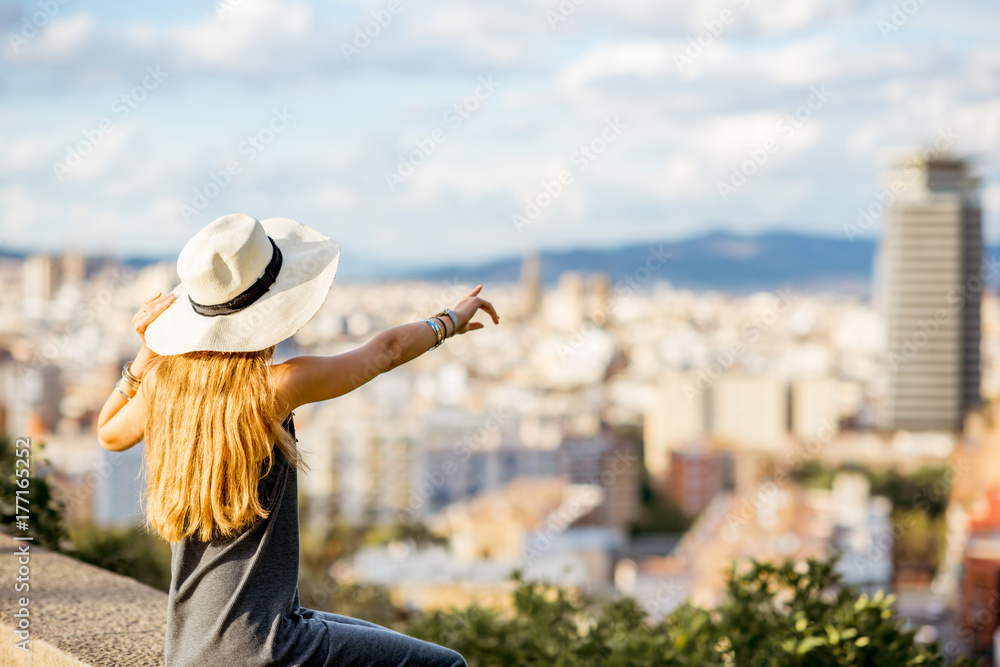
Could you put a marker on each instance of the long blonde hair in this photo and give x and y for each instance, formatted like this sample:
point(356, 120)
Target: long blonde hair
point(211, 420)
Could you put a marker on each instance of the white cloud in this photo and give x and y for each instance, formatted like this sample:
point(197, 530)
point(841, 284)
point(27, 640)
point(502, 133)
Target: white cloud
point(863, 139)
point(23, 153)
point(785, 15)
point(484, 33)
point(277, 38)
point(116, 152)
point(724, 139)
point(991, 198)
point(644, 58)
point(19, 210)
point(263, 38)
point(800, 63)
point(681, 178)
point(748, 16)
point(436, 179)
point(255, 34)
point(62, 40)
point(337, 196)
point(979, 125)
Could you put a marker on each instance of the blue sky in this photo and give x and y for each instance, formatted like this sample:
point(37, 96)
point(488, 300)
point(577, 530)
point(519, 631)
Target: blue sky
point(329, 127)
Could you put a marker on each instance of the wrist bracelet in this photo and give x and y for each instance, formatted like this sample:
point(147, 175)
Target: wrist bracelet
point(453, 317)
point(443, 326)
point(118, 387)
point(437, 331)
point(131, 379)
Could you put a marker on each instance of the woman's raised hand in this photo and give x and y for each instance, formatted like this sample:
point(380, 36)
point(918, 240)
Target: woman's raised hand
point(149, 311)
point(468, 306)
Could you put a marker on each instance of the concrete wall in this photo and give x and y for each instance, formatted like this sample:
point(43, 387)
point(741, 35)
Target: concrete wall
point(78, 614)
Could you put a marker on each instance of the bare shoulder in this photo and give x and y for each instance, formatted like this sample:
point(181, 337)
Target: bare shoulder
point(311, 379)
point(291, 379)
point(282, 377)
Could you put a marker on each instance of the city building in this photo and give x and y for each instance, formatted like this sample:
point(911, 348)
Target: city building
point(750, 412)
point(40, 278)
point(929, 290)
point(815, 407)
point(980, 586)
point(529, 524)
point(678, 415)
point(697, 473)
point(769, 523)
point(530, 285)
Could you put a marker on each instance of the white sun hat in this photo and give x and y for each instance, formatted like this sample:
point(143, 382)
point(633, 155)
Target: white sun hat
point(246, 284)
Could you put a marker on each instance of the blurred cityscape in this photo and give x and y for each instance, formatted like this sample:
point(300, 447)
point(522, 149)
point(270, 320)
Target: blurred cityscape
point(614, 434)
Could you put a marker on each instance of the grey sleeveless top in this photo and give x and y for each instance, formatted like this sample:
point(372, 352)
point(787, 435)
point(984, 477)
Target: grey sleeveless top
point(235, 601)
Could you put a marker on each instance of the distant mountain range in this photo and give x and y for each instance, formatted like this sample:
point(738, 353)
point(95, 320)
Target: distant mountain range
point(721, 261)
point(716, 261)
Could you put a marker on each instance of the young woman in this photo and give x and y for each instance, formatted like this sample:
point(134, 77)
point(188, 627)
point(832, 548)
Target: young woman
point(221, 455)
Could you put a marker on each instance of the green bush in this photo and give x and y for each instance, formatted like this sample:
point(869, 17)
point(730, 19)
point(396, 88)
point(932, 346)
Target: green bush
point(919, 500)
point(131, 552)
point(45, 510)
point(772, 615)
point(658, 514)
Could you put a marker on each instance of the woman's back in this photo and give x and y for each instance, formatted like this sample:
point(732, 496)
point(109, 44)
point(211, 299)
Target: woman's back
point(235, 602)
point(230, 599)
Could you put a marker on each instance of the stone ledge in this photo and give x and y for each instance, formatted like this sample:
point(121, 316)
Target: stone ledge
point(80, 615)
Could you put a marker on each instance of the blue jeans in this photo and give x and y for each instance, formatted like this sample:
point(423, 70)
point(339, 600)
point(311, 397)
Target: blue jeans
point(357, 642)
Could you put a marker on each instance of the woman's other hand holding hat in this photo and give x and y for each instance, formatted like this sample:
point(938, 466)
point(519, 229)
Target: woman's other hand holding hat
point(148, 312)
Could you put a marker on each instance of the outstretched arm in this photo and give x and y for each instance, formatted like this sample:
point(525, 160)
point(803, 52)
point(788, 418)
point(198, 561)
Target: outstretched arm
point(310, 379)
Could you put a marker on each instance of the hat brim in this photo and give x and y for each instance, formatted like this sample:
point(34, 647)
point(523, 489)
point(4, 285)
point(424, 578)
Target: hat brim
point(309, 265)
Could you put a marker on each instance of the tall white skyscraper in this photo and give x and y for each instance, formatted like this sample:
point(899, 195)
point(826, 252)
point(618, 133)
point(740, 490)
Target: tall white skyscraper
point(40, 278)
point(931, 283)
